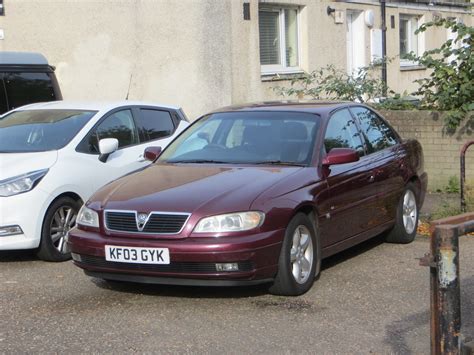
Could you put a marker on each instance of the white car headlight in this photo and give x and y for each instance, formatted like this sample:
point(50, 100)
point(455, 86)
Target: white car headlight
point(88, 217)
point(21, 183)
point(232, 222)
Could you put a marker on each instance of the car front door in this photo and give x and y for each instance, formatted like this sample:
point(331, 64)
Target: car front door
point(383, 149)
point(351, 196)
point(135, 128)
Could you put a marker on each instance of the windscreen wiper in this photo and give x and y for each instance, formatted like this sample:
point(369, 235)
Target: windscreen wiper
point(204, 161)
point(277, 162)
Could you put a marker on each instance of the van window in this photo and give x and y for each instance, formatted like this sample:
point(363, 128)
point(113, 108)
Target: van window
point(26, 88)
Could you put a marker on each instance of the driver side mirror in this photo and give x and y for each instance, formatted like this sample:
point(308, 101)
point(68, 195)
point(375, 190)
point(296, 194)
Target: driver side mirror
point(106, 147)
point(340, 156)
point(152, 153)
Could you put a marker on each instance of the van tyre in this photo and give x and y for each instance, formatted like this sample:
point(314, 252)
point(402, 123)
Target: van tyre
point(300, 258)
point(59, 219)
point(406, 221)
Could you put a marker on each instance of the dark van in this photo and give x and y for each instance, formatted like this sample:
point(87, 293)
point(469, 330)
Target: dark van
point(26, 78)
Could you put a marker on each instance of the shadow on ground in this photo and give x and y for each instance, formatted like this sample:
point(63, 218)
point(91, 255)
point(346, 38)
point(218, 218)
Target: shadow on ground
point(397, 333)
point(17, 256)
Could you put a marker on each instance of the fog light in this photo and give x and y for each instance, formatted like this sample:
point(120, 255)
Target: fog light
point(76, 257)
point(227, 267)
point(10, 230)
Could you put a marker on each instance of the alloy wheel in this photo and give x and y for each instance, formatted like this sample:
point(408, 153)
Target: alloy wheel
point(410, 212)
point(63, 220)
point(301, 254)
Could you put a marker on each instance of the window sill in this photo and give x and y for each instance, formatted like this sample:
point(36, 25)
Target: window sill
point(282, 76)
point(411, 67)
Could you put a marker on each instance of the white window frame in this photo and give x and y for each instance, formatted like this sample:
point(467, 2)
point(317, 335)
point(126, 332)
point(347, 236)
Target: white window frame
point(419, 39)
point(283, 69)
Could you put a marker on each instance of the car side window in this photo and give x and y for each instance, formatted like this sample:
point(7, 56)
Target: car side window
point(342, 132)
point(377, 133)
point(118, 125)
point(154, 124)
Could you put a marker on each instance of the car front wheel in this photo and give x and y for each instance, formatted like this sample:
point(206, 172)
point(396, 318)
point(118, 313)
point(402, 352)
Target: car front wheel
point(300, 258)
point(60, 218)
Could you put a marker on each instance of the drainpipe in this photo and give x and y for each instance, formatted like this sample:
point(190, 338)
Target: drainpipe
point(384, 48)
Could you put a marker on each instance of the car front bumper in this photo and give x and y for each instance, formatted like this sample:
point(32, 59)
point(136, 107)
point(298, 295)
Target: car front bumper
point(192, 260)
point(26, 211)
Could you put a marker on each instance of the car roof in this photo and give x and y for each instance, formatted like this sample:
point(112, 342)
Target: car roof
point(90, 105)
point(311, 106)
point(22, 58)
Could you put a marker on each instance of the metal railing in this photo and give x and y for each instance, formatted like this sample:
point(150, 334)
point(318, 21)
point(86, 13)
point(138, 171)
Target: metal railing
point(445, 287)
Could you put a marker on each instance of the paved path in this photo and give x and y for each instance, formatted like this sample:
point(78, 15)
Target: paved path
point(373, 298)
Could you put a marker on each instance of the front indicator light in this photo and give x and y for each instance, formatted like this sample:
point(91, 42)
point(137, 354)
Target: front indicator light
point(231, 222)
point(10, 230)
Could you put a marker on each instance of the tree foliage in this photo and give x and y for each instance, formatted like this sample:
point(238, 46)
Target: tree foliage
point(450, 86)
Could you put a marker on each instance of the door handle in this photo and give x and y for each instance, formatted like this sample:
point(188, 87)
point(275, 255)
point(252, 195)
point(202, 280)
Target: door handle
point(141, 158)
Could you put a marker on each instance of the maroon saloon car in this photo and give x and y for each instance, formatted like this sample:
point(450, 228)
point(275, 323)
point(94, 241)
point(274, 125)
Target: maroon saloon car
point(255, 194)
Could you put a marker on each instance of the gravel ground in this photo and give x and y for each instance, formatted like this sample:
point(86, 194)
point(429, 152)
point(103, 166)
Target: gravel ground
point(372, 298)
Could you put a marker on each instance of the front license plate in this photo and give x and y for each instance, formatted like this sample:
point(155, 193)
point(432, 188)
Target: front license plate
point(137, 255)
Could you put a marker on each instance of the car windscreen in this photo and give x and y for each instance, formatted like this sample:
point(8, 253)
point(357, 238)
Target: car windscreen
point(247, 137)
point(40, 130)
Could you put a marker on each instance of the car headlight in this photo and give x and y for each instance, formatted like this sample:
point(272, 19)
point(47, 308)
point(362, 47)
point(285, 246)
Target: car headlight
point(21, 183)
point(88, 217)
point(231, 222)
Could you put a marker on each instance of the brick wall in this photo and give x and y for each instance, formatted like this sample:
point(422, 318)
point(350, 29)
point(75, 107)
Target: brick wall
point(441, 150)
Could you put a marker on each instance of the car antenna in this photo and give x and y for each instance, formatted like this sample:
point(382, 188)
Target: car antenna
point(129, 84)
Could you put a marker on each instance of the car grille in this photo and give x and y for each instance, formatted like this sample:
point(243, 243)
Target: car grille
point(158, 223)
point(175, 267)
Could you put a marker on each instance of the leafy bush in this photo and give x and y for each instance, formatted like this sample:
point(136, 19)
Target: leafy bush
point(332, 83)
point(450, 86)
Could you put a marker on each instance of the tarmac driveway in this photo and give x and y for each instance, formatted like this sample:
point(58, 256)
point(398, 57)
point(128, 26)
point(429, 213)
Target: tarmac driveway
point(372, 298)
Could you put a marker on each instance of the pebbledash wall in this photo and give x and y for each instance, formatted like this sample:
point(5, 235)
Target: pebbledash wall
point(198, 54)
point(441, 150)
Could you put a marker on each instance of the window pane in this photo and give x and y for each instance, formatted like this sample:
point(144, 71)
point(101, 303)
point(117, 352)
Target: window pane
point(403, 37)
point(269, 28)
point(118, 125)
point(291, 37)
point(379, 135)
point(414, 37)
point(155, 124)
point(343, 133)
point(27, 88)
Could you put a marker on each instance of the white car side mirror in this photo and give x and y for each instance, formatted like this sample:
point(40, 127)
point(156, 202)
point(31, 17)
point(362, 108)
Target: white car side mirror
point(106, 147)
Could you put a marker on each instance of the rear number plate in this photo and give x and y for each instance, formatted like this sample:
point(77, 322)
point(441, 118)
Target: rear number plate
point(137, 255)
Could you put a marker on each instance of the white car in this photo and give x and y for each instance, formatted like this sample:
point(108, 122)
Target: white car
point(54, 155)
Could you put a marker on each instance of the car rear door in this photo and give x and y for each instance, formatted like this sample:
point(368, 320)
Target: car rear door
point(383, 151)
point(351, 199)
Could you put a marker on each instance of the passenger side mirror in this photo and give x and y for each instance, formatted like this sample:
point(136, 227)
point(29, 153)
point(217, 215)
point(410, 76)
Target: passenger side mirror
point(152, 153)
point(340, 156)
point(106, 147)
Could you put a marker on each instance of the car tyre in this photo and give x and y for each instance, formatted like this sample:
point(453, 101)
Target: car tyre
point(406, 220)
point(59, 219)
point(300, 258)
